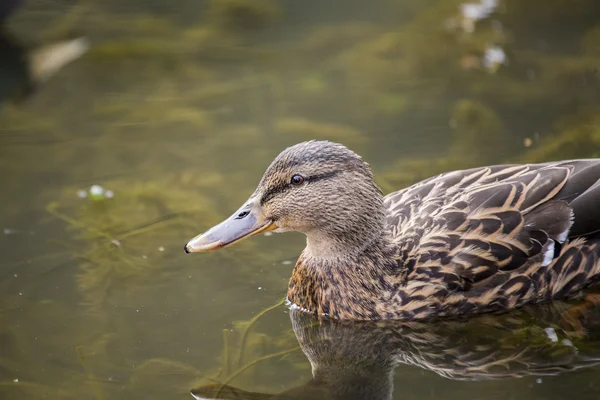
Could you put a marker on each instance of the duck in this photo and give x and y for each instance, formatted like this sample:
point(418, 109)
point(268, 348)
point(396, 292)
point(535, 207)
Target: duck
point(486, 239)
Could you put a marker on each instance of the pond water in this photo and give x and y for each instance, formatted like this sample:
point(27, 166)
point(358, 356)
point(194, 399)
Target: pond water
point(175, 111)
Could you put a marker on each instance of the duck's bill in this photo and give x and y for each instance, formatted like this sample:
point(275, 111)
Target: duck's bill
point(247, 221)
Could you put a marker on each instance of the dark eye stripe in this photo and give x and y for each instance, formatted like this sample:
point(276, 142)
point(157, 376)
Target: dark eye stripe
point(327, 175)
point(286, 186)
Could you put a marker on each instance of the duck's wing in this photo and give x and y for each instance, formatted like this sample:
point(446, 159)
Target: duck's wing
point(503, 234)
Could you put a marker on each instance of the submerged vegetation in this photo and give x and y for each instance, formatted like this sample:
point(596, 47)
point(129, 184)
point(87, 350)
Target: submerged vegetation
point(178, 109)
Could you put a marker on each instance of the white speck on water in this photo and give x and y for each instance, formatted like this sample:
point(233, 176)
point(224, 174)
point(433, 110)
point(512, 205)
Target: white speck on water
point(260, 287)
point(8, 231)
point(551, 333)
point(137, 310)
point(538, 380)
point(145, 257)
point(478, 11)
point(96, 190)
point(15, 275)
point(20, 294)
point(189, 276)
point(494, 57)
point(109, 194)
point(161, 248)
point(16, 380)
point(473, 12)
point(116, 242)
point(268, 233)
point(286, 262)
point(567, 342)
point(82, 194)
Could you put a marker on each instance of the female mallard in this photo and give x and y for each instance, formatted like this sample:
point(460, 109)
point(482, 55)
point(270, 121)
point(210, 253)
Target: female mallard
point(479, 240)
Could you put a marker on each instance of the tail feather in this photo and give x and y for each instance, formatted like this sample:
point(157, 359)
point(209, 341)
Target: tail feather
point(576, 268)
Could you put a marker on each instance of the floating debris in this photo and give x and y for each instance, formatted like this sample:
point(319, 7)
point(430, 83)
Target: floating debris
point(527, 142)
point(46, 60)
point(551, 333)
point(538, 380)
point(96, 192)
point(567, 342)
point(161, 248)
point(493, 58)
point(473, 12)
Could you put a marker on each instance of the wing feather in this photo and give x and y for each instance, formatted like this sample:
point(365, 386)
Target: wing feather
point(494, 228)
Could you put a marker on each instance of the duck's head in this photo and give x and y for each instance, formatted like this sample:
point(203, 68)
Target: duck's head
point(319, 188)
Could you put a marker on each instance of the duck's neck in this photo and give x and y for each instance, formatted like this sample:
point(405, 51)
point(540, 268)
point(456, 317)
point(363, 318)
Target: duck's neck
point(342, 282)
point(323, 248)
point(357, 235)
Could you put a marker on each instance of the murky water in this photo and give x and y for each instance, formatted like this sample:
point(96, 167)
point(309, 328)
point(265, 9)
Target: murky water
point(176, 110)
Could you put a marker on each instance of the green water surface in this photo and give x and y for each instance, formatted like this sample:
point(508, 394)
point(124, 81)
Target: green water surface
point(178, 108)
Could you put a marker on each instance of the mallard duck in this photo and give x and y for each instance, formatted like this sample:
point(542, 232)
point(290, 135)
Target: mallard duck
point(472, 241)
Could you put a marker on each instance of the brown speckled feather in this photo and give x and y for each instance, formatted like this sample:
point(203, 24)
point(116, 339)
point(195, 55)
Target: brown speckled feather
point(495, 238)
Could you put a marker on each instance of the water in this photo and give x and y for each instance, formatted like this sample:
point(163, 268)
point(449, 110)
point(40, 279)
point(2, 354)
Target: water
point(178, 109)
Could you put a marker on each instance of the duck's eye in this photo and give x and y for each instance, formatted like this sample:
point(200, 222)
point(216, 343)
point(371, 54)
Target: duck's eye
point(297, 180)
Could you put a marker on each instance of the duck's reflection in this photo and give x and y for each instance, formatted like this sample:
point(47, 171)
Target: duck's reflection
point(357, 360)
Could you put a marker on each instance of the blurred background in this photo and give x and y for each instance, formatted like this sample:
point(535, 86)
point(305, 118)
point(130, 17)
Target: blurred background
point(127, 127)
